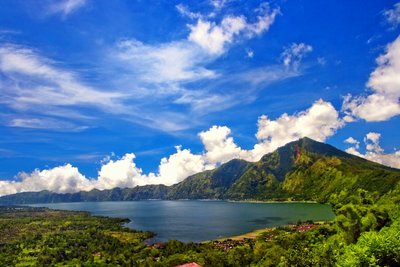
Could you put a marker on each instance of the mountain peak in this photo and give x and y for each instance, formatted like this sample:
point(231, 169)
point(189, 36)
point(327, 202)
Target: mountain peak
point(302, 169)
point(316, 147)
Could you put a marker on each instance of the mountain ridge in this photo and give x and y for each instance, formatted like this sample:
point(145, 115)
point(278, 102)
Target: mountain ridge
point(300, 170)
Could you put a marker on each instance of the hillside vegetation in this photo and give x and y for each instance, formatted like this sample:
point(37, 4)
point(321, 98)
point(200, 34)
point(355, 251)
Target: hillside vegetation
point(365, 197)
point(301, 170)
point(366, 232)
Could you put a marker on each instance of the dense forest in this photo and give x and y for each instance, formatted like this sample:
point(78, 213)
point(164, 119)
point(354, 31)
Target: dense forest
point(366, 232)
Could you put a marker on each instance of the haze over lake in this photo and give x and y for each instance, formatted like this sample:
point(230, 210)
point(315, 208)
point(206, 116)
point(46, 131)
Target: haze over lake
point(201, 220)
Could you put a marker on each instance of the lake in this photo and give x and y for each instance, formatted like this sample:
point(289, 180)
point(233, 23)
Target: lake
point(191, 220)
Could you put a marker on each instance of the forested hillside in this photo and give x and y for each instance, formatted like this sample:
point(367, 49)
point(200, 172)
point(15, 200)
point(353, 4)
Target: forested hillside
point(300, 170)
point(366, 232)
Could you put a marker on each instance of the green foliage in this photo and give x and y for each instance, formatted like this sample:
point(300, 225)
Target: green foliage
point(374, 248)
point(365, 233)
point(361, 214)
point(365, 197)
point(209, 184)
point(42, 237)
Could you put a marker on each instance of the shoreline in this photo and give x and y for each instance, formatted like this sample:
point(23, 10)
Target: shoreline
point(182, 199)
point(255, 233)
point(274, 201)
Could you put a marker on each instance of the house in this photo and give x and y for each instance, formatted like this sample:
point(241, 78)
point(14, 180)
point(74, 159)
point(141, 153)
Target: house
point(190, 264)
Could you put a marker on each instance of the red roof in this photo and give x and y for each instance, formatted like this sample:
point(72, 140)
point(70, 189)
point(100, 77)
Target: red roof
point(191, 264)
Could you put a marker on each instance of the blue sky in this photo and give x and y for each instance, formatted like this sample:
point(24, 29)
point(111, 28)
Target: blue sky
point(106, 89)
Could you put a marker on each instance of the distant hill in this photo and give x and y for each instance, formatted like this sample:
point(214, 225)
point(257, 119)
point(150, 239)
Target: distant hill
point(301, 170)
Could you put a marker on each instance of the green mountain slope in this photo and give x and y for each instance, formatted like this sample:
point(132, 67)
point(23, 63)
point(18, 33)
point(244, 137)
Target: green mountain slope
point(301, 170)
point(209, 184)
point(310, 170)
point(116, 194)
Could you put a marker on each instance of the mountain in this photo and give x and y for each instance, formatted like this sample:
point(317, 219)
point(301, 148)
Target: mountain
point(310, 170)
point(209, 184)
point(301, 170)
point(115, 194)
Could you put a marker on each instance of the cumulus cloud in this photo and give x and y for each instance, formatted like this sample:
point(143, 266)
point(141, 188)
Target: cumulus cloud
point(393, 15)
point(373, 150)
point(320, 121)
point(352, 141)
point(119, 173)
point(292, 55)
point(384, 82)
point(219, 146)
point(212, 37)
point(178, 166)
point(215, 37)
point(60, 179)
point(371, 141)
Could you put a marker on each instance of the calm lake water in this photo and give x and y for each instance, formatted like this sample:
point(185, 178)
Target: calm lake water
point(201, 220)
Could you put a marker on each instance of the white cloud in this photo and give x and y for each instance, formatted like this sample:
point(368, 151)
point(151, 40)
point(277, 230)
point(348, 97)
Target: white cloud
point(321, 61)
point(61, 179)
point(148, 84)
point(219, 146)
point(393, 15)
point(166, 71)
point(178, 166)
point(119, 173)
point(33, 81)
point(292, 55)
point(184, 11)
point(163, 73)
point(249, 53)
point(45, 123)
point(66, 7)
point(374, 151)
point(218, 4)
point(384, 82)
point(172, 169)
point(319, 122)
point(260, 77)
point(8, 188)
point(215, 37)
point(46, 96)
point(352, 141)
point(373, 137)
point(265, 18)
point(34, 85)
point(204, 102)
point(371, 141)
point(168, 62)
